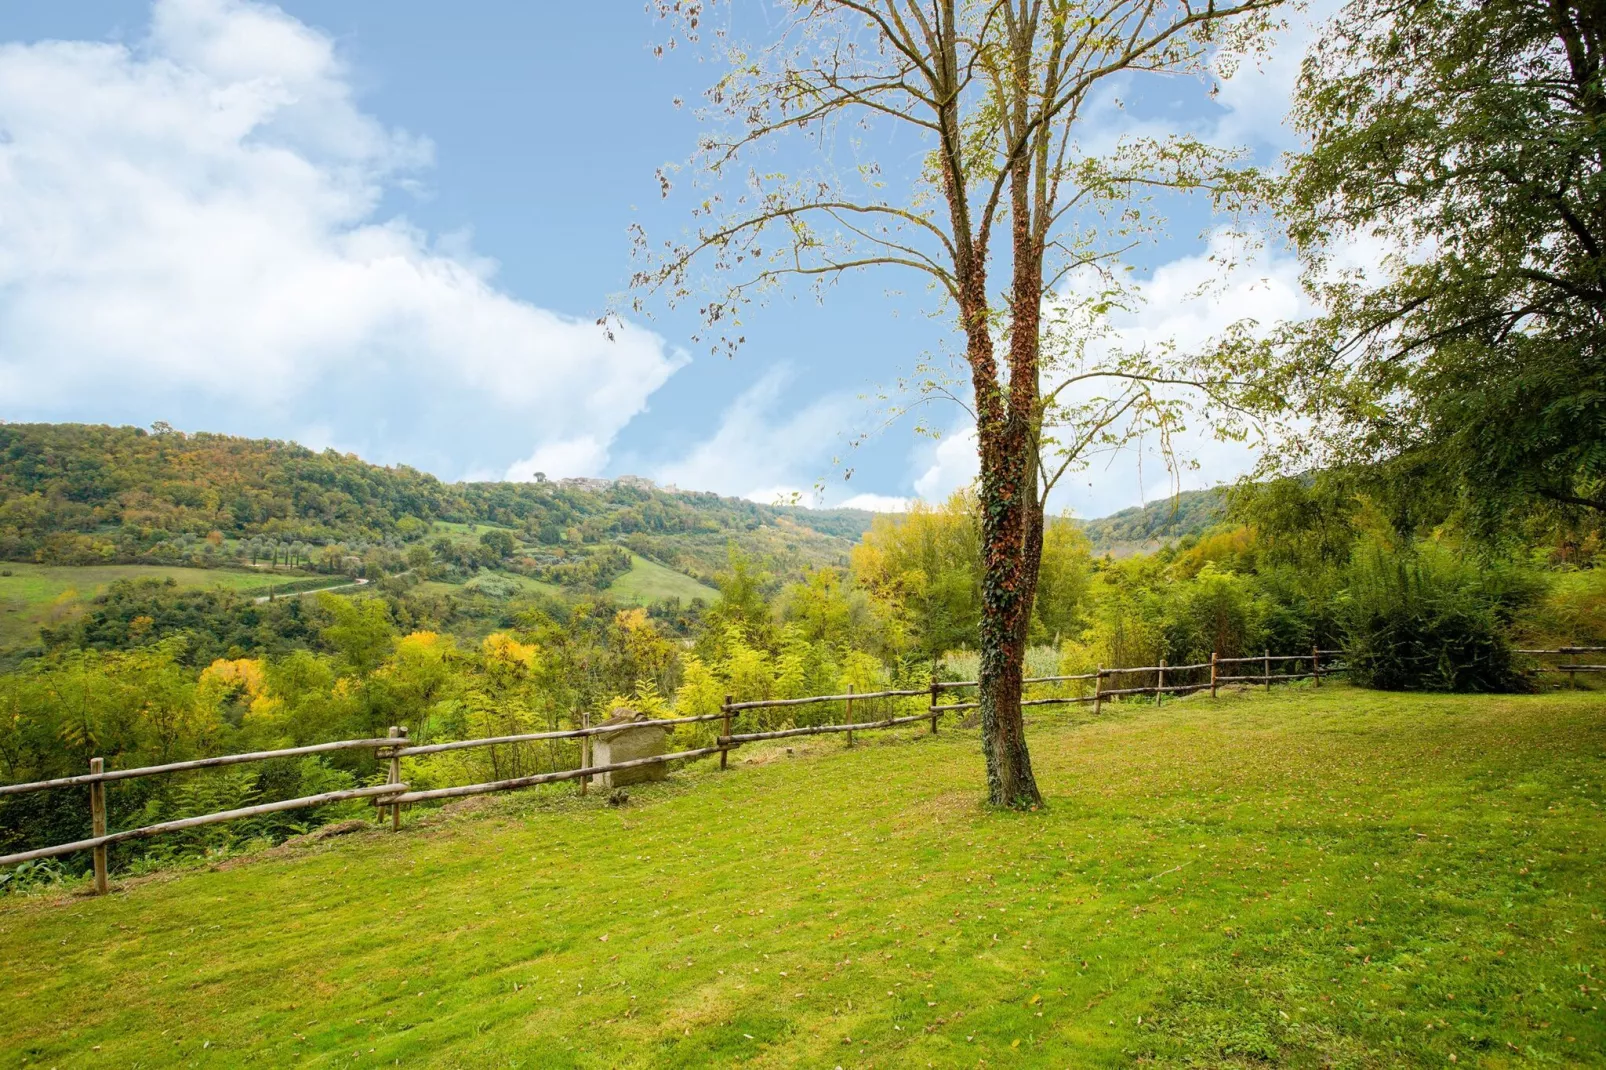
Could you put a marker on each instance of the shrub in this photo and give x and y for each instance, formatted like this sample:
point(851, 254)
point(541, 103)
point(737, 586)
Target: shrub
point(1425, 619)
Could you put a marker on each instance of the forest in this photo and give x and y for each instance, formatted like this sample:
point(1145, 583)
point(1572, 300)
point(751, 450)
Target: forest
point(78, 494)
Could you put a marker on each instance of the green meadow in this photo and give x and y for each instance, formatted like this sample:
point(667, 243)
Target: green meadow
point(648, 582)
point(1322, 878)
point(35, 595)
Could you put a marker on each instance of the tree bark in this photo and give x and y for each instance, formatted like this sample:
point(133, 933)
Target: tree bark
point(1012, 515)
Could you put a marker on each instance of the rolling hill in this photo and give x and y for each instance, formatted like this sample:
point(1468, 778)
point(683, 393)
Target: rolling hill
point(1147, 527)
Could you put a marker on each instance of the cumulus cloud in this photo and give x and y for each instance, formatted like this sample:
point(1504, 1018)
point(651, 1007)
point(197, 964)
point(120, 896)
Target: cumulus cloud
point(1187, 303)
point(768, 445)
point(1256, 95)
point(192, 221)
point(876, 503)
point(950, 464)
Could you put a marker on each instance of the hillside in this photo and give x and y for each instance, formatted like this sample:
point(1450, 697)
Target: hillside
point(1199, 891)
point(75, 494)
point(1143, 528)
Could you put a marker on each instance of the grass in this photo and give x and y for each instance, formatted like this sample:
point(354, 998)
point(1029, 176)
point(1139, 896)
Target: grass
point(648, 582)
point(1308, 878)
point(34, 595)
point(464, 532)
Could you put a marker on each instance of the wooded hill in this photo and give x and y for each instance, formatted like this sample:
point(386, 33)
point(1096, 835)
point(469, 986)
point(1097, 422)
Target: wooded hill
point(82, 494)
point(1147, 527)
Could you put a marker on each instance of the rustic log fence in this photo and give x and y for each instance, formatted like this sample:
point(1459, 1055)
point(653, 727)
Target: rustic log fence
point(395, 793)
point(1572, 667)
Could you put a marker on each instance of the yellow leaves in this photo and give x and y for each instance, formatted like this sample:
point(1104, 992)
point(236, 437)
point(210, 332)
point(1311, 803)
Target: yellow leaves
point(244, 674)
point(503, 651)
point(418, 643)
point(632, 620)
point(265, 713)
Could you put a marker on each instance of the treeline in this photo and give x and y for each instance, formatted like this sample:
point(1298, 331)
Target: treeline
point(83, 494)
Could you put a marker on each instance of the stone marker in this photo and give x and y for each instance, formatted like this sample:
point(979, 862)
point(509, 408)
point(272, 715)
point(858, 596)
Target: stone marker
point(627, 745)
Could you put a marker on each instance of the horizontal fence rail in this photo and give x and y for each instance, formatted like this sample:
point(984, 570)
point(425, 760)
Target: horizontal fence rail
point(198, 763)
point(541, 778)
point(570, 733)
point(101, 842)
point(1567, 651)
point(821, 729)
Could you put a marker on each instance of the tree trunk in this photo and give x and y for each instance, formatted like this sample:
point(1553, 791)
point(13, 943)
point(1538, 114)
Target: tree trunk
point(1006, 612)
point(1012, 517)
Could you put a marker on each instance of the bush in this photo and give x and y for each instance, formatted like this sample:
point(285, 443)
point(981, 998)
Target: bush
point(1425, 619)
point(1572, 613)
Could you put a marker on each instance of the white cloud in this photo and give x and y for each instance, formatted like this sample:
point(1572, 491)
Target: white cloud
point(951, 464)
point(1257, 95)
point(768, 445)
point(1187, 302)
point(195, 217)
point(876, 503)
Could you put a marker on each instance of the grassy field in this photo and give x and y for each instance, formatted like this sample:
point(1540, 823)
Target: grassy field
point(1326, 879)
point(648, 582)
point(47, 594)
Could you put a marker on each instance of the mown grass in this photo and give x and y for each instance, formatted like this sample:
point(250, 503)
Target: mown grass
point(34, 595)
point(648, 582)
point(1333, 878)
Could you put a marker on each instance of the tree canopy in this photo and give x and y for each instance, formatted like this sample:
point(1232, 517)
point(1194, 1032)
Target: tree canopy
point(1467, 141)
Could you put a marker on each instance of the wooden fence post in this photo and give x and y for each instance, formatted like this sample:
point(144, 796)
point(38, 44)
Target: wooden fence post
point(850, 714)
point(394, 777)
point(1268, 670)
point(1098, 690)
point(585, 749)
point(1316, 665)
point(1159, 683)
point(1213, 655)
point(934, 693)
point(724, 746)
point(97, 822)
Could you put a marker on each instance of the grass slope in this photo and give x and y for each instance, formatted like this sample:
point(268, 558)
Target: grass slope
point(1333, 878)
point(648, 582)
point(48, 594)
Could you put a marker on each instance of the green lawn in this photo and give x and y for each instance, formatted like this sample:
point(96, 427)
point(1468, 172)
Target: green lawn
point(1332, 878)
point(648, 582)
point(47, 594)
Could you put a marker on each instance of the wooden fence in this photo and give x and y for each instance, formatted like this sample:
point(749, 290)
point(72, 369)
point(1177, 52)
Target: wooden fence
point(394, 793)
point(1572, 667)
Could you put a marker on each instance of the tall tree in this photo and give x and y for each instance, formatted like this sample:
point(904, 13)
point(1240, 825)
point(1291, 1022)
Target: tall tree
point(996, 92)
point(1468, 139)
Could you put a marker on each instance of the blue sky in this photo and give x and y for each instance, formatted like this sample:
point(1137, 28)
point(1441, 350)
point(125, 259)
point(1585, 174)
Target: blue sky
point(389, 226)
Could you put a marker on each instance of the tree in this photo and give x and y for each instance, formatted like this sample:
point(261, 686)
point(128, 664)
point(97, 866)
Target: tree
point(499, 542)
point(994, 91)
point(1470, 139)
point(927, 564)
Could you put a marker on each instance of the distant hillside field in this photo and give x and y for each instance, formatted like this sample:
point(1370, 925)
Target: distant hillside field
point(648, 582)
point(82, 505)
point(34, 595)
